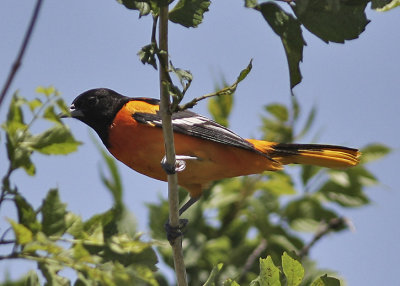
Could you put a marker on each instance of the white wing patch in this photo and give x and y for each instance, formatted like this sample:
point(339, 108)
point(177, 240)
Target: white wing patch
point(190, 123)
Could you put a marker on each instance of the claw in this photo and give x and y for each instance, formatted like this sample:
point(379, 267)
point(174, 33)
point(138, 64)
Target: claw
point(180, 164)
point(177, 231)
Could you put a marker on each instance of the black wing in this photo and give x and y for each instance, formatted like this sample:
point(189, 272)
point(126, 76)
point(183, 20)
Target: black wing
point(193, 124)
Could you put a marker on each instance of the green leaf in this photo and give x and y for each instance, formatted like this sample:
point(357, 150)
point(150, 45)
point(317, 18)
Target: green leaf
point(22, 234)
point(279, 111)
point(250, 3)
point(29, 279)
point(295, 108)
point(15, 117)
point(53, 214)
point(56, 140)
point(147, 55)
point(306, 214)
point(113, 184)
point(74, 225)
point(126, 251)
point(158, 215)
point(185, 76)
point(26, 214)
point(245, 72)
point(289, 30)
point(80, 253)
point(332, 20)
point(32, 279)
point(105, 222)
point(47, 91)
point(143, 7)
point(374, 152)
point(35, 103)
point(325, 280)
point(230, 282)
point(376, 4)
point(50, 272)
point(384, 5)
point(307, 172)
point(269, 273)
point(278, 183)
point(309, 122)
point(51, 115)
point(346, 196)
point(64, 108)
point(19, 156)
point(292, 269)
point(189, 13)
point(211, 281)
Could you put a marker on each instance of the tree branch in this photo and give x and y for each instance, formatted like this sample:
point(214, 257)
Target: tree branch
point(254, 256)
point(21, 53)
point(173, 197)
point(333, 224)
point(224, 91)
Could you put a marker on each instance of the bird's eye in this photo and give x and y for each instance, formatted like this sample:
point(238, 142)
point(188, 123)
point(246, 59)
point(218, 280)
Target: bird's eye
point(92, 101)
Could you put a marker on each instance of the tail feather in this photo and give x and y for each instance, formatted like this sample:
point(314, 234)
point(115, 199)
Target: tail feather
point(329, 156)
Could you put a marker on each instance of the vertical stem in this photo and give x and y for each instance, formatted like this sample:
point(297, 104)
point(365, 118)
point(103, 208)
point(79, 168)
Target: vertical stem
point(173, 198)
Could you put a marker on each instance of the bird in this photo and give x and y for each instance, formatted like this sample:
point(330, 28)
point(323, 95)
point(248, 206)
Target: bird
point(131, 130)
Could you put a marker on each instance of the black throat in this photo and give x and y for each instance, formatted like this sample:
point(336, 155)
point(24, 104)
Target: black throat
point(99, 108)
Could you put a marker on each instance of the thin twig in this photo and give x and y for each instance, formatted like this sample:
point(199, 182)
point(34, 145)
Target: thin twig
point(13, 255)
point(173, 197)
point(8, 241)
point(21, 53)
point(154, 31)
point(254, 256)
point(228, 90)
point(333, 224)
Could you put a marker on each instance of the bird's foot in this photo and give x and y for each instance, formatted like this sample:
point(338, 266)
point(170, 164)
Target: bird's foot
point(173, 232)
point(180, 164)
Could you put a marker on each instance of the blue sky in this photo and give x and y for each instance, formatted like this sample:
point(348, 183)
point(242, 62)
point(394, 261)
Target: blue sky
point(78, 45)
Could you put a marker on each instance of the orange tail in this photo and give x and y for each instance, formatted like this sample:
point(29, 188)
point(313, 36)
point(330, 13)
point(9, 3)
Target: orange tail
point(329, 156)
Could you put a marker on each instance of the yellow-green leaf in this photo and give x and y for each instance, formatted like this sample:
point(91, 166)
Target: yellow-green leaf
point(292, 269)
point(269, 273)
point(22, 234)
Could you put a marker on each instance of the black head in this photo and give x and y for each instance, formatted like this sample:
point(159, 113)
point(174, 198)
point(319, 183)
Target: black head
point(97, 108)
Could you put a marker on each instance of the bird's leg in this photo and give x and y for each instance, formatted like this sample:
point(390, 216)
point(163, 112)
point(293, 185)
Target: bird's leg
point(180, 164)
point(188, 204)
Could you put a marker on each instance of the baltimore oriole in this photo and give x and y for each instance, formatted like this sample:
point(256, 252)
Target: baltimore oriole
point(130, 128)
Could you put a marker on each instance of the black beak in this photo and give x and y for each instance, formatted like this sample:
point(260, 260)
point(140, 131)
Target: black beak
point(73, 112)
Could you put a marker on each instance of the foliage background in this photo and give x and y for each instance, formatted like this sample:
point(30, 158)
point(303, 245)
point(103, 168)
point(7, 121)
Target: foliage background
point(355, 87)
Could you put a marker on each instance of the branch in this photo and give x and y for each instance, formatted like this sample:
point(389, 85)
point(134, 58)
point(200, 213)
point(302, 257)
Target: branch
point(226, 90)
point(173, 197)
point(254, 256)
point(333, 224)
point(21, 53)
point(13, 255)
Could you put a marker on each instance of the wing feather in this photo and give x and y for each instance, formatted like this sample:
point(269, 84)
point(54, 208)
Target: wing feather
point(193, 124)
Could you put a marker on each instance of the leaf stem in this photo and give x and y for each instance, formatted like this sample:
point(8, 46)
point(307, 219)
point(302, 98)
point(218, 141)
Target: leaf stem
point(173, 197)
